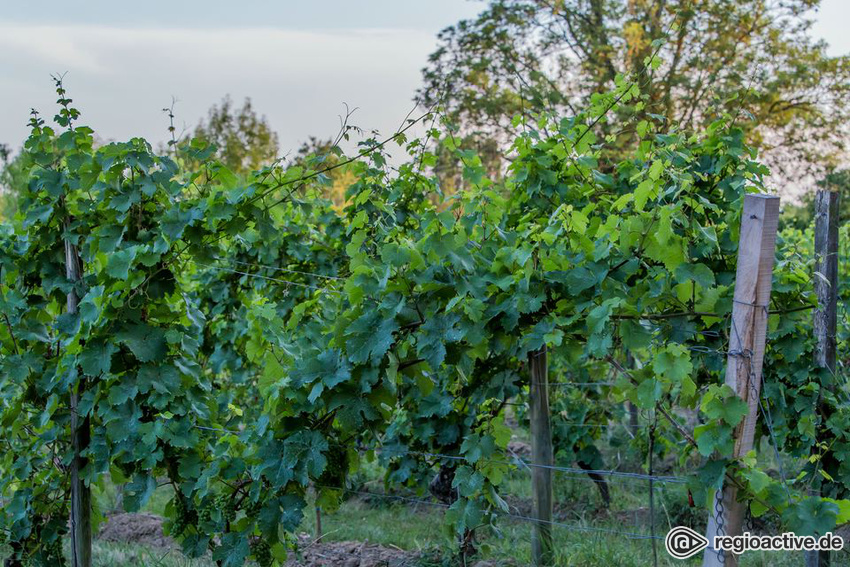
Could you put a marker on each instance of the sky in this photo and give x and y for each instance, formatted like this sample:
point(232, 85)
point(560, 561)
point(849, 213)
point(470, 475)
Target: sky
point(300, 61)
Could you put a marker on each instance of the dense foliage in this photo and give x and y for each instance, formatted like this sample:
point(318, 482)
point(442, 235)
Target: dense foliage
point(240, 338)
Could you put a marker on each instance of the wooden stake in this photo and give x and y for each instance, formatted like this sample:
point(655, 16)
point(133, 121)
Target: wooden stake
point(541, 454)
point(826, 288)
point(826, 315)
point(747, 336)
point(632, 409)
point(319, 534)
point(80, 437)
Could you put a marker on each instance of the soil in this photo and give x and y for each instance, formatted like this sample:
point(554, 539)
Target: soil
point(519, 448)
point(146, 529)
point(348, 554)
point(522, 507)
point(142, 529)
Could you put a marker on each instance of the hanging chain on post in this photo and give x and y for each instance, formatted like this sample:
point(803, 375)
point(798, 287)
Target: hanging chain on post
point(825, 317)
point(80, 436)
point(542, 550)
point(753, 279)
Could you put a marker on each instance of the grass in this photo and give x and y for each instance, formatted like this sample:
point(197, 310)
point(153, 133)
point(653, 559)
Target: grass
point(420, 528)
point(397, 524)
point(107, 554)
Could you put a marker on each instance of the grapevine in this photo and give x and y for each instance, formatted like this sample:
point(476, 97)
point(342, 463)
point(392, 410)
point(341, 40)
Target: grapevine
point(242, 336)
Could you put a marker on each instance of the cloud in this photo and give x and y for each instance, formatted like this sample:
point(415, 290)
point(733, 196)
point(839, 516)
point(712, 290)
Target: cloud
point(44, 45)
point(122, 77)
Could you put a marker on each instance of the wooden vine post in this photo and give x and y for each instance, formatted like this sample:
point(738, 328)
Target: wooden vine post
point(542, 551)
point(80, 437)
point(631, 408)
point(319, 533)
point(747, 335)
point(826, 290)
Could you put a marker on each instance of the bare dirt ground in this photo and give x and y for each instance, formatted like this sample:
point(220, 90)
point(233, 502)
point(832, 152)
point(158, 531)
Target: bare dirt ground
point(142, 529)
point(146, 529)
point(349, 554)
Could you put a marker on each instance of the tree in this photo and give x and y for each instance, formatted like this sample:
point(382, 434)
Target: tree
point(244, 141)
point(325, 154)
point(751, 59)
point(801, 215)
point(12, 181)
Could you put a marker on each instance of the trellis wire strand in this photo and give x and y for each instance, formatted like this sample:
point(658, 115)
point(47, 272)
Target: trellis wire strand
point(277, 280)
point(516, 461)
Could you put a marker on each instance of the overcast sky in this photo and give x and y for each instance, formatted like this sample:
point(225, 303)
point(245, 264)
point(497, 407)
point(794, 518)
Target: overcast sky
point(299, 60)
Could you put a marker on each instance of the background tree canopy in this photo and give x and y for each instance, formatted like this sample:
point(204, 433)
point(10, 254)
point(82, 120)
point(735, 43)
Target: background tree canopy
point(528, 56)
point(244, 141)
point(12, 180)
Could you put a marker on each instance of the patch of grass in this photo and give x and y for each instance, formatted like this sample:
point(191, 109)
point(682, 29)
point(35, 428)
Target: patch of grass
point(108, 498)
point(391, 524)
point(109, 554)
point(419, 527)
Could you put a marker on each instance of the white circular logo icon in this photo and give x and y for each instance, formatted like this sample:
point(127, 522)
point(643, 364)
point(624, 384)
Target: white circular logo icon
point(683, 542)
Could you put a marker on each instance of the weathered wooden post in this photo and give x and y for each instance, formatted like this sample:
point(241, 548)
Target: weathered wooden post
point(756, 249)
point(542, 551)
point(80, 437)
point(826, 288)
point(826, 314)
point(319, 533)
point(632, 409)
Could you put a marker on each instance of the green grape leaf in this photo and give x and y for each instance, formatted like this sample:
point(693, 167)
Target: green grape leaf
point(96, 357)
point(119, 263)
point(673, 363)
point(811, 516)
point(147, 343)
point(720, 402)
point(468, 481)
point(711, 437)
point(698, 273)
point(162, 378)
point(232, 550)
point(369, 337)
point(649, 392)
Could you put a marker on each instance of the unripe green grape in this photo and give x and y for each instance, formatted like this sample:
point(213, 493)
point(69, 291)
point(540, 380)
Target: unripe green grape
point(253, 509)
point(336, 468)
point(262, 553)
point(225, 503)
point(181, 516)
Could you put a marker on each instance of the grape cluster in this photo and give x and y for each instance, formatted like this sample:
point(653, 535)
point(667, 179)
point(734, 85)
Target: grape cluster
point(54, 553)
point(183, 517)
point(31, 394)
point(253, 509)
point(262, 552)
point(227, 505)
point(50, 556)
point(336, 468)
point(205, 513)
